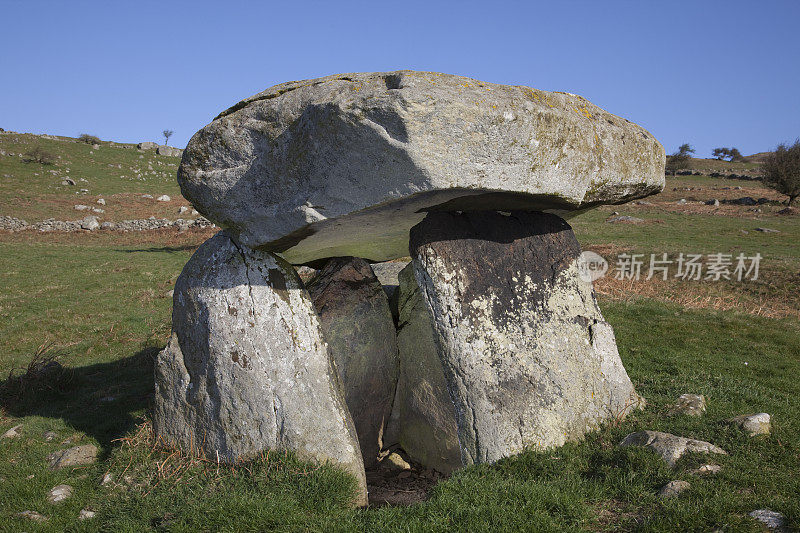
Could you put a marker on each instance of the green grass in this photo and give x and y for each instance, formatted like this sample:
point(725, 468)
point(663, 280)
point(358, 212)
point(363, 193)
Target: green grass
point(103, 305)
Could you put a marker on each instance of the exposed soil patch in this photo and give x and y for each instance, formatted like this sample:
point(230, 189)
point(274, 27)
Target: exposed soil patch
point(389, 486)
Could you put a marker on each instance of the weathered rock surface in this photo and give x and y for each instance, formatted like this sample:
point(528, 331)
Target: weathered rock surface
point(246, 368)
point(673, 488)
point(669, 447)
point(528, 358)
point(358, 327)
point(346, 165)
point(771, 519)
point(690, 404)
point(77, 455)
point(757, 424)
point(423, 418)
point(59, 493)
point(12, 433)
point(147, 145)
point(169, 151)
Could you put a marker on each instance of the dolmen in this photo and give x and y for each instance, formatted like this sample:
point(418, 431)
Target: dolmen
point(493, 342)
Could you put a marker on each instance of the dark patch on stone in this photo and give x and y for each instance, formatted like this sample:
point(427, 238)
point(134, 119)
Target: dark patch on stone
point(232, 311)
point(278, 283)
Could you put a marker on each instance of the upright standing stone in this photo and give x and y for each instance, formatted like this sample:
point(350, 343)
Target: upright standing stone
point(246, 368)
point(358, 326)
point(528, 358)
point(423, 418)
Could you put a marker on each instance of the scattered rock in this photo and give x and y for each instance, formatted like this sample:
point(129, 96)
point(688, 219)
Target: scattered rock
point(32, 515)
point(13, 432)
point(690, 404)
point(169, 151)
point(365, 165)
point(59, 493)
point(68, 181)
point(86, 514)
point(108, 225)
point(669, 447)
point(98, 210)
point(246, 368)
point(90, 223)
point(757, 424)
point(682, 201)
point(75, 456)
point(746, 200)
point(673, 488)
point(358, 326)
point(81, 207)
point(625, 219)
point(163, 198)
point(101, 201)
point(107, 480)
point(395, 461)
point(182, 209)
point(789, 211)
point(170, 293)
point(708, 469)
point(771, 519)
point(147, 145)
point(12, 223)
point(49, 436)
point(714, 203)
point(767, 230)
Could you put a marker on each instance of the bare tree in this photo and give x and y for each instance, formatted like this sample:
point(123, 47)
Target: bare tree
point(680, 159)
point(167, 134)
point(781, 170)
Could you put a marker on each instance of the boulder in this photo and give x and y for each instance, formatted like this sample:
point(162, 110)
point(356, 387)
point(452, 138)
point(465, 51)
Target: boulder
point(358, 327)
point(246, 368)
point(753, 425)
point(59, 493)
point(90, 223)
point(528, 359)
point(770, 519)
point(147, 145)
point(674, 488)
point(163, 198)
point(85, 454)
point(669, 447)
point(423, 418)
point(169, 151)
point(12, 433)
point(690, 404)
point(346, 165)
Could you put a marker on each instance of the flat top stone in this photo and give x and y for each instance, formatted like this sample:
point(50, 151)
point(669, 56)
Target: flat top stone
point(345, 165)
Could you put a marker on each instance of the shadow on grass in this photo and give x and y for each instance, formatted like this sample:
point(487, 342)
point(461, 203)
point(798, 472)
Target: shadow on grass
point(161, 249)
point(102, 400)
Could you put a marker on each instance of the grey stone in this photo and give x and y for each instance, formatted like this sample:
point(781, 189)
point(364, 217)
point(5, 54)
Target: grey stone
point(101, 201)
point(346, 165)
point(81, 207)
point(757, 424)
point(714, 203)
point(708, 469)
point(163, 198)
point(423, 420)
point(183, 209)
point(32, 515)
point(49, 436)
point(107, 480)
point(682, 201)
point(673, 488)
point(147, 196)
point(358, 327)
point(59, 493)
point(68, 181)
point(690, 404)
point(13, 432)
point(98, 210)
point(771, 519)
point(169, 151)
point(86, 514)
point(767, 230)
point(147, 145)
point(246, 368)
point(528, 358)
point(669, 447)
point(387, 273)
point(90, 223)
point(85, 454)
point(396, 462)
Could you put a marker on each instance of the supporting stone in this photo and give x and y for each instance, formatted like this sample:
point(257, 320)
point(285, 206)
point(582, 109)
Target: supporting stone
point(423, 418)
point(246, 368)
point(528, 358)
point(359, 329)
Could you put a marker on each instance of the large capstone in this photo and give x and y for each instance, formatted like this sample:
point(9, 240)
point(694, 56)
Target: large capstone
point(358, 326)
point(528, 358)
point(346, 165)
point(246, 368)
point(423, 420)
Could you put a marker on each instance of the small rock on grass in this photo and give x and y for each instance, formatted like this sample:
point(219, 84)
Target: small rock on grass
point(673, 488)
point(690, 404)
point(163, 198)
point(767, 230)
point(32, 515)
point(107, 479)
point(75, 456)
point(757, 424)
point(708, 469)
point(86, 514)
point(669, 447)
point(625, 219)
point(49, 435)
point(101, 201)
point(59, 493)
point(13, 432)
point(771, 519)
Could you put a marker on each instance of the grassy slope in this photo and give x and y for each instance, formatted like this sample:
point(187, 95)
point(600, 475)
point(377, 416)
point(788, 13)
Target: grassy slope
point(101, 299)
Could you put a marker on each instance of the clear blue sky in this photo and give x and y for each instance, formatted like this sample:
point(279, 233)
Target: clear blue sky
point(704, 72)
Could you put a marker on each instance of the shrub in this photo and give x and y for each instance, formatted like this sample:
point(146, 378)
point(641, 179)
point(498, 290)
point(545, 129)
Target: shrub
point(89, 139)
point(781, 170)
point(40, 155)
point(679, 159)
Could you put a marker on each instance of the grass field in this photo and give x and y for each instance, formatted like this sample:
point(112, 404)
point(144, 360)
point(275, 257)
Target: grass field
point(99, 301)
